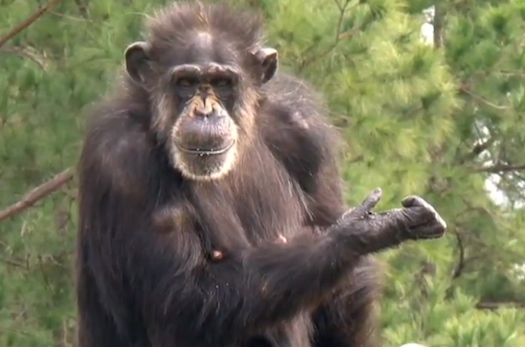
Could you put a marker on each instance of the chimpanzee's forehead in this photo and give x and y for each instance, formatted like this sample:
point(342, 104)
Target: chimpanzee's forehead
point(203, 48)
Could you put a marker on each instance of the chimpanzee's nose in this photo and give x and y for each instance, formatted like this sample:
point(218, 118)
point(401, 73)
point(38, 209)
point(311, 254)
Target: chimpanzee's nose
point(205, 107)
point(204, 113)
point(208, 109)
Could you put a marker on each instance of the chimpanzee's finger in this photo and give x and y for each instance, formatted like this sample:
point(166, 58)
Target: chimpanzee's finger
point(414, 200)
point(371, 200)
point(440, 221)
point(409, 201)
point(432, 231)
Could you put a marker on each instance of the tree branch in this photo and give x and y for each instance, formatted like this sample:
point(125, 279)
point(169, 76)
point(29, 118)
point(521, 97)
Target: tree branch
point(37, 194)
point(501, 168)
point(339, 36)
point(26, 52)
point(465, 90)
point(27, 22)
point(13, 263)
point(461, 261)
point(439, 14)
point(65, 16)
point(477, 149)
point(488, 305)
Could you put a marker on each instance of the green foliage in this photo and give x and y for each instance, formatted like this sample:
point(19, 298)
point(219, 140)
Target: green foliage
point(434, 122)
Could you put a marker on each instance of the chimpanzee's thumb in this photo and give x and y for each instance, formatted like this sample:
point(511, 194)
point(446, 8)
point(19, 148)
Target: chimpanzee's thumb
point(370, 201)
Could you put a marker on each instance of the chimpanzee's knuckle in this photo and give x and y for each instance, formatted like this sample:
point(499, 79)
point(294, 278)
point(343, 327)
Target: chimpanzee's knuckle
point(418, 212)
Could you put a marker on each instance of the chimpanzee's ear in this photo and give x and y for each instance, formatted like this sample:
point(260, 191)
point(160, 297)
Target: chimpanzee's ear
point(268, 59)
point(137, 59)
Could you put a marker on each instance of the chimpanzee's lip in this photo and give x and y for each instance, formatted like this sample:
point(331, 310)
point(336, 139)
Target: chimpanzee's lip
point(207, 151)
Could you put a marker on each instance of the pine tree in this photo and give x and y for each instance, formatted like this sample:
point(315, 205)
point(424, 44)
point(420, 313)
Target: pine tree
point(437, 120)
point(474, 269)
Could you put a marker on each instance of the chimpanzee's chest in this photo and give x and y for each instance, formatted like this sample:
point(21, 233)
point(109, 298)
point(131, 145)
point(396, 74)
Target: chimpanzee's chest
point(248, 211)
point(277, 208)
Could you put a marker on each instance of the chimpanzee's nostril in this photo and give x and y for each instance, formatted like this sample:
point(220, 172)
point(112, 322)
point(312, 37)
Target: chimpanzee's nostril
point(205, 113)
point(209, 113)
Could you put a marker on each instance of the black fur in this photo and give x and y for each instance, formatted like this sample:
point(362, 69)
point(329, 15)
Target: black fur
point(144, 273)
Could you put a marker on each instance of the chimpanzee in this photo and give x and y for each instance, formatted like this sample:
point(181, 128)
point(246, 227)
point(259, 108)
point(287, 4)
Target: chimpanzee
point(210, 203)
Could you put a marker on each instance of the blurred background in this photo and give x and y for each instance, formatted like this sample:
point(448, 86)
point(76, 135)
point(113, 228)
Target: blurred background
point(430, 97)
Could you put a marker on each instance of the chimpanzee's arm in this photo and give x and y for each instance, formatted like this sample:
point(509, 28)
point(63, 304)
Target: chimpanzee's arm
point(252, 288)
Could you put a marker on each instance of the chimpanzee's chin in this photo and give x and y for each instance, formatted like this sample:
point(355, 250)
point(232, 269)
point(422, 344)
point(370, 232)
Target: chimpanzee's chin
point(204, 166)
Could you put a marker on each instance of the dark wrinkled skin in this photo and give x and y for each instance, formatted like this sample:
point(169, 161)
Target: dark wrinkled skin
point(417, 220)
point(148, 274)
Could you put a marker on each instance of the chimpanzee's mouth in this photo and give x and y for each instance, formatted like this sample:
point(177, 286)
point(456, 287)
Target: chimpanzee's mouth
point(207, 151)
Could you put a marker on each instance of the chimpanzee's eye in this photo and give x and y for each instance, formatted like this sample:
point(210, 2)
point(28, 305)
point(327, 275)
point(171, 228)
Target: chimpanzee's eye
point(187, 82)
point(186, 86)
point(221, 82)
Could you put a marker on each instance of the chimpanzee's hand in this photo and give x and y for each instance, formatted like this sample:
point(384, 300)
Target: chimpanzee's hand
point(417, 220)
point(364, 232)
point(362, 212)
